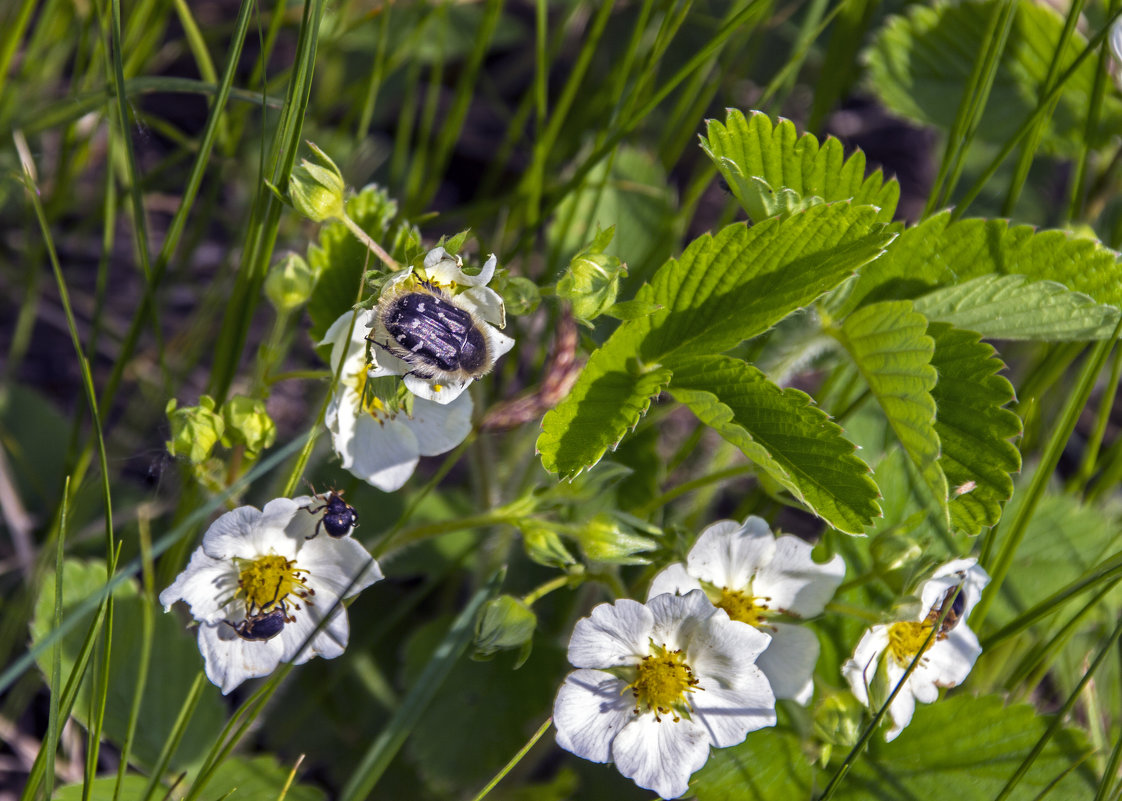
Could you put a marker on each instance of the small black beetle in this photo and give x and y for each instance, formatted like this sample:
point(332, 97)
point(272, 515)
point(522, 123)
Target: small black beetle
point(262, 626)
point(339, 517)
point(437, 338)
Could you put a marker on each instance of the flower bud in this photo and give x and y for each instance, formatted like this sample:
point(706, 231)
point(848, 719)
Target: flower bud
point(316, 188)
point(195, 430)
point(504, 623)
point(837, 722)
point(248, 424)
point(592, 281)
point(604, 539)
point(289, 284)
point(544, 546)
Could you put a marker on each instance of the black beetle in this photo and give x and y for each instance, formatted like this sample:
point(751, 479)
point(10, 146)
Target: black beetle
point(261, 626)
point(339, 517)
point(953, 604)
point(437, 338)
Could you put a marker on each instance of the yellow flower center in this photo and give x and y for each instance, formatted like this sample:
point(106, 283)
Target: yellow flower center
point(741, 606)
point(906, 639)
point(663, 681)
point(270, 582)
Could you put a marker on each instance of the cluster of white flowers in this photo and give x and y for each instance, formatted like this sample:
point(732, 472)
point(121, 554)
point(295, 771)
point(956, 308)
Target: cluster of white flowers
point(704, 659)
point(702, 663)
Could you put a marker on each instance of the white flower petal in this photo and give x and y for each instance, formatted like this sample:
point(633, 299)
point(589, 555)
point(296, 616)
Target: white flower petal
point(795, 582)
point(382, 453)
point(427, 388)
point(203, 586)
point(498, 343)
point(727, 715)
point(227, 536)
point(673, 579)
point(439, 427)
point(351, 349)
point(901, 709)
point(333, 564)
point(613, 635)
point(789, 662)
point(297, 638)
point(677, 618)
point(861, 669)
point(485, 303)
point(592, 707)
point(229, 660)
point(728, 554)
point(722, 649)
point(948, 662)
point(661, 756)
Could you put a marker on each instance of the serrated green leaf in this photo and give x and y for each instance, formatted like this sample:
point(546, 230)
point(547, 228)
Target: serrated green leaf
point(941, 253)
point(919, 65)
point(890, 346)
point(339, 260)
point(605, 403)
point(972, 745)
point(739, 283)
point(1014, 307)
point(772, 170)
point(973, 427)
point(783, 432)
point(768, 766)
point(723, 290)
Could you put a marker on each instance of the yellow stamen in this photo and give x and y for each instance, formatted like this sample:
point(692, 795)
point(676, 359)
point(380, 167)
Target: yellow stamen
point(663, 681)
point(905, 640)
point(741, 606)
point(270, 582)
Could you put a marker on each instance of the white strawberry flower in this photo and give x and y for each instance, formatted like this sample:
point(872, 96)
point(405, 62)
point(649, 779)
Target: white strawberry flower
point(261, 583)
point(884, 652)
point(379, 439)
point(657, 684)
point(766, 582)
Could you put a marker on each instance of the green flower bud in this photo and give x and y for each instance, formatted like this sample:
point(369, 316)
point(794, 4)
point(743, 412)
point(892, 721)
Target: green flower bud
point(504, 623)
point(195, 430)
point(544, 546)
point(592, 281)
point(248, 424)
point(837, 723)
point(603, 539)
point(893, 552)
point(316, 188)
point(289, 284)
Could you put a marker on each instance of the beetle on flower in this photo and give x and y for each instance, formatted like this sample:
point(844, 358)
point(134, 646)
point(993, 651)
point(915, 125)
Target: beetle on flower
point(438, 326)
point(259, 586)
point(378, 428)
point(945, 656)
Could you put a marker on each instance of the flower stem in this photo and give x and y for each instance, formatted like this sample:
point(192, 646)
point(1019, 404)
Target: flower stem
point(509, 766)
point(545, 589)
point(375, 248)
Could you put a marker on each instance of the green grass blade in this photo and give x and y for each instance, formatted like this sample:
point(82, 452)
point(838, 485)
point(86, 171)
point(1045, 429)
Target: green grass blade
point(377, 758)
point(1058, 718)
point(1042, 107)
point(261, 232)
point(1044, 469)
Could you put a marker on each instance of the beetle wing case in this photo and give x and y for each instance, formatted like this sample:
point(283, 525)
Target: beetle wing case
point(434, 335)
